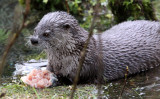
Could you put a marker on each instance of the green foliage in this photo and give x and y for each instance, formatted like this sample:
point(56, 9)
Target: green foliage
point(81, 9)
point(3, 36)
point(132, 10)
point(36, 56)
point(156, 4)
point(74, 6)
point(22, 2)
point(45, 1)
point(45, 6)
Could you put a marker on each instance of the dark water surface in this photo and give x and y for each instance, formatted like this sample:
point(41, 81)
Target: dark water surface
point(145, 85)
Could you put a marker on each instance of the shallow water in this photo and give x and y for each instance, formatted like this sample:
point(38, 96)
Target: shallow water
point(145, 85)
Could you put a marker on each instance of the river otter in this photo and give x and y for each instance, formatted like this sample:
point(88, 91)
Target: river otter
point(135, 44)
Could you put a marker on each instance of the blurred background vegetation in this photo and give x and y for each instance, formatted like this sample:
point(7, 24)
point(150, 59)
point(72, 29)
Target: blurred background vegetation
point(110, 12)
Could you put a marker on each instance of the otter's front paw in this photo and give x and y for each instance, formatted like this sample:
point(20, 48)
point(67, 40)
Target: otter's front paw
point(54, 80)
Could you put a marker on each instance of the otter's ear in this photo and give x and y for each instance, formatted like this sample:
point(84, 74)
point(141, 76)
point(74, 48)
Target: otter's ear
point(66, 26)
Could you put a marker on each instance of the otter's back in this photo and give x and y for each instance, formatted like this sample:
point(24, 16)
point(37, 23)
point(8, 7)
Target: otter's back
point(135, 44)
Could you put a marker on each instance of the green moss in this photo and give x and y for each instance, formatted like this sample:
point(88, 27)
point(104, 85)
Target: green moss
point(61, 92)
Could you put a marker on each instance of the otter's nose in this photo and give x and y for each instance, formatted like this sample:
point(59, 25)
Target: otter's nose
point(34, 41)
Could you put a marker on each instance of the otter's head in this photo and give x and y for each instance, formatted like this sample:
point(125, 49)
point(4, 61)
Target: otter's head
point(55, 29)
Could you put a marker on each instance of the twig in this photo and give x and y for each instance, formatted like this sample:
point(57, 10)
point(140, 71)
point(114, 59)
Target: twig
point(14, 37)
point(137, 93)
point(125, 81)
point(67, 6)
point(83, 53)
point(101, 67)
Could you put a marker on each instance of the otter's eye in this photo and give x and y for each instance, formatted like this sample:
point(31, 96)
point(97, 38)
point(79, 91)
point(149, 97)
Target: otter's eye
point(46, 33)
point(66, 26)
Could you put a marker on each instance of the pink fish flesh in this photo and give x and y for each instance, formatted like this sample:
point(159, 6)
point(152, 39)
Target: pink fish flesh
point(38, 78)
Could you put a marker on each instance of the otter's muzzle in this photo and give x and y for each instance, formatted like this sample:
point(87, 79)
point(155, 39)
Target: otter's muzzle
point(34, 41)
